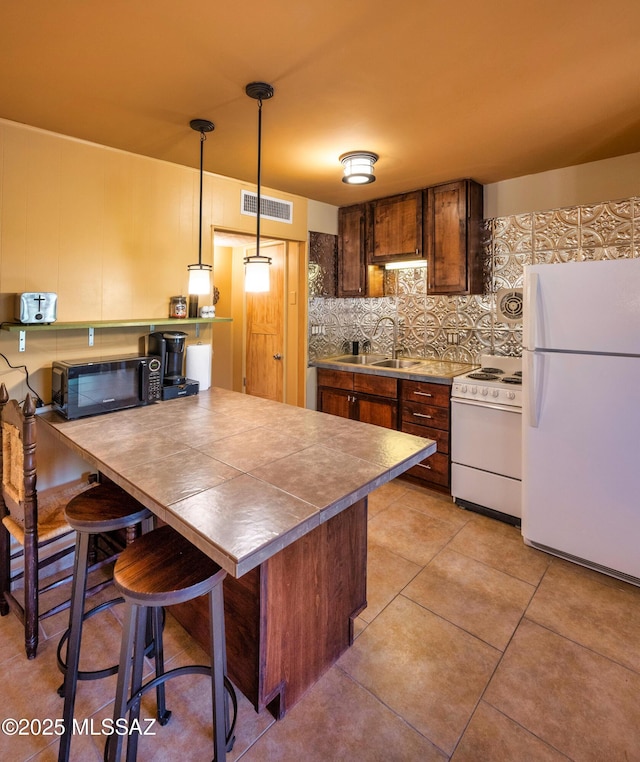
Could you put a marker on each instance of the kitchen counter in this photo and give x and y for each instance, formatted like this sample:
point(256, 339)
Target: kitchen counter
point(433, 371)
point(241, 477)
point(276, 495)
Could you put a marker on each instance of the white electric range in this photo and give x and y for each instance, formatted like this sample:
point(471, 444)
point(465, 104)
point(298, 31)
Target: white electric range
point(486, 438)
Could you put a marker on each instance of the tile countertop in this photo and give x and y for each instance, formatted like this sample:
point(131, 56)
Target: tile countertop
point(241, 477)
point(434, 371)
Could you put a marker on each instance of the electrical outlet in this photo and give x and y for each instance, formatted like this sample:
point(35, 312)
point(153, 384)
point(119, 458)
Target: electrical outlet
point(452, 337)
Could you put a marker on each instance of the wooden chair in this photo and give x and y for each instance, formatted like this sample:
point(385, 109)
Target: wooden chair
point(35, 521)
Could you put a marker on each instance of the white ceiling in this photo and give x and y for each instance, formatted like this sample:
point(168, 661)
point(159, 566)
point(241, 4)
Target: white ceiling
point(439, 89)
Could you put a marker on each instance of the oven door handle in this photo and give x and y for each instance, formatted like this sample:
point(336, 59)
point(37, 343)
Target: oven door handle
point(485, 405)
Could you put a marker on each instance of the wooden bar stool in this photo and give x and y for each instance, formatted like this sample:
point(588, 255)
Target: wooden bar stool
point(158, 569)
point(104, 508)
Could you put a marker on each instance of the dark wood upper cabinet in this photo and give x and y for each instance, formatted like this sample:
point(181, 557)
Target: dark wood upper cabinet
point(394, 230)
point(452, 236)
point(355, 277)
point(441, 224)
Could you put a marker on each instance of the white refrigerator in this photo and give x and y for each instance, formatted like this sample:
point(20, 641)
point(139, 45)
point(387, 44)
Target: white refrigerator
point(581, 413)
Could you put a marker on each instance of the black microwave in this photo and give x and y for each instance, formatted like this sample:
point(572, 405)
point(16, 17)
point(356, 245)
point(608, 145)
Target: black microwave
point(90, 387)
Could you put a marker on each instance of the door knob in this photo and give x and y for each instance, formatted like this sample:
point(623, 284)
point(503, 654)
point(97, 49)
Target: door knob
point(277, 356)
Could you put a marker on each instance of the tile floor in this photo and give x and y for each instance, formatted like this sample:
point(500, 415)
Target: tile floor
point(473, 647)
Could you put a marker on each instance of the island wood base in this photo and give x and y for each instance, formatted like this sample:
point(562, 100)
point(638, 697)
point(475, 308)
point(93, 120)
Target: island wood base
point(290, 618)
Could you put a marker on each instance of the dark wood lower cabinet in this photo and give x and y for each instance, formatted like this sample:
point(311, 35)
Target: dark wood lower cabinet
point(416, 407)
point(289, 619)
point(425, 412)
point(335, 402)
point(362, 397)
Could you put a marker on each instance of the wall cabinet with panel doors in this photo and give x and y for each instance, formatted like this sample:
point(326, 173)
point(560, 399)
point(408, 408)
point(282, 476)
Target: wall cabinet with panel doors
point(394, 228)
point(442, 224)
point(355, 276)
point(361, 397)
point(425, 412)
point(452, 238)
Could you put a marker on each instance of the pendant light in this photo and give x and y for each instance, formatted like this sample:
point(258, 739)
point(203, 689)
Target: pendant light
point(256, 270)
point(358, 167)
point(199, 274)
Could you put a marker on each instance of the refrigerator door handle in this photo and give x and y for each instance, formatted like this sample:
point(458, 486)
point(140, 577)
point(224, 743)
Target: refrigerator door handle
point(531, 311)
point(535, 372)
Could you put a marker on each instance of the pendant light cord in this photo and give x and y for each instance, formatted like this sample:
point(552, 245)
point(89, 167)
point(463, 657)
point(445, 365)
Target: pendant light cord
point(203, 137)
point(259, 91)
point(259, 176)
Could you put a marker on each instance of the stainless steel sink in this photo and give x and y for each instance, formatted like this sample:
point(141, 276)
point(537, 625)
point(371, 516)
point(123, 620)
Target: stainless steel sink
point(361, 359)
point(399, 363)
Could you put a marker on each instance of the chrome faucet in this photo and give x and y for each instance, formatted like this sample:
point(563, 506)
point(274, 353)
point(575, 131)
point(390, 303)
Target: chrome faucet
point(394, 323)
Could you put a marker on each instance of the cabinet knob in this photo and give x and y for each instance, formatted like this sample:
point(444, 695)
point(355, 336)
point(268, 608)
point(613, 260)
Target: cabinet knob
point(277, 356)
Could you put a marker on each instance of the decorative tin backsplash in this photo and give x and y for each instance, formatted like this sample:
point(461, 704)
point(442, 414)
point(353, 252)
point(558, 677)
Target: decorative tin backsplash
point(461, 328)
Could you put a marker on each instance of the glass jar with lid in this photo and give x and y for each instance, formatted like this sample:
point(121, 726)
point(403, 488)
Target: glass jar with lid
point(178, 307)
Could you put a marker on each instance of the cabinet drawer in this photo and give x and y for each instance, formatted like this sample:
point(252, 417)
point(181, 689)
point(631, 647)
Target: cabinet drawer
point(441, 436)
point(425, 415)
point(338, 379)
point(434, 469)
point(382, 386)
point(429, 394)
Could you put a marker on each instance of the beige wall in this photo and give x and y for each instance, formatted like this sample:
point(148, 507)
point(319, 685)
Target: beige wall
point(323, 218)
point(112, 234)
point(592, 183)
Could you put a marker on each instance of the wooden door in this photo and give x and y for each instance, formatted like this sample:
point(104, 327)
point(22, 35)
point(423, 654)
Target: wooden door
point(378, 411)
point(395, 228)
point(452, 234)
point(447, 210)
point(351, 252)
point(335, 402)
point(265, 333)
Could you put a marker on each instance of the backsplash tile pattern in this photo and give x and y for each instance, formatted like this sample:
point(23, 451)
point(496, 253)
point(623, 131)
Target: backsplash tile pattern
point(323, 265)
point(461, 328)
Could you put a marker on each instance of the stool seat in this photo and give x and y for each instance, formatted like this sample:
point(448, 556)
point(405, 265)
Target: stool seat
point(104, 508)
point(97, 511)
point(163, 568)
point(159, 569)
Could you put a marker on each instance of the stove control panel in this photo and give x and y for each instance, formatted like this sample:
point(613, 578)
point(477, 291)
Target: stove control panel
point(499, 394)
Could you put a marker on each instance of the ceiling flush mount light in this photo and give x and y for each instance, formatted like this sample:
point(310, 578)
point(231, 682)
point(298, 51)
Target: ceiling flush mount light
point(358, 167)
point(256, 270)
point(200, 275)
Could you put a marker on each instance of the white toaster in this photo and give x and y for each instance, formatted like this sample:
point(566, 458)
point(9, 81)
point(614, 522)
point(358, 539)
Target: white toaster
point(35, 307)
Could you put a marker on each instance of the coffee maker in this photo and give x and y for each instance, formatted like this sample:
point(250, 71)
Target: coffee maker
point(169, 347)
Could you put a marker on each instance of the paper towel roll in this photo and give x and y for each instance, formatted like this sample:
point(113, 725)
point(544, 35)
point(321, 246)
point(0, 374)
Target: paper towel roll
point(199, 364)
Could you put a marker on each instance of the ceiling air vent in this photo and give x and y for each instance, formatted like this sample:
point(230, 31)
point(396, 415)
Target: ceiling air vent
point(270, 208)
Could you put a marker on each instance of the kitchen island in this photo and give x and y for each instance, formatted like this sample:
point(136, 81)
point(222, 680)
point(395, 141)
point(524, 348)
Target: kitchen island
point(273, 493)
